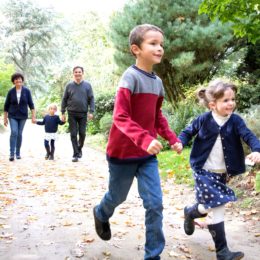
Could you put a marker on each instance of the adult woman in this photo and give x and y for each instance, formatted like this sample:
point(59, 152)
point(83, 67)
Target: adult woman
point(16, 110)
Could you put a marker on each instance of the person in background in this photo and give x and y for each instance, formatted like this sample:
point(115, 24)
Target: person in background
point(16, 105)
point(50, 122)
point(78, 99)
point(217, 155)
point(133, 145)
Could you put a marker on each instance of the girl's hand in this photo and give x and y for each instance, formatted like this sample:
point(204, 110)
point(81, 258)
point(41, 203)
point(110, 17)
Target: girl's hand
point(177, 147)
point(254, 157)
point(5, 121)
point(154, 147)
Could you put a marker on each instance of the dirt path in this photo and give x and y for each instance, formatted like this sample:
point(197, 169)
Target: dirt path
point(46, 210)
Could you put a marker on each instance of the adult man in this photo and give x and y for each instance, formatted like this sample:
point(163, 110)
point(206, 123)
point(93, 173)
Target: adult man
point(78, 96)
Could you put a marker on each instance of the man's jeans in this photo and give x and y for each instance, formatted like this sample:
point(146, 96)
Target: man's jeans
point(17, 126)
point(149, 188)
point(77, 124)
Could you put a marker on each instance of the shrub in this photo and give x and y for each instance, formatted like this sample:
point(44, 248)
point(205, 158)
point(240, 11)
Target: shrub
point(183, 115)
point(252, 119)
point(105, 123)
point(248, 95)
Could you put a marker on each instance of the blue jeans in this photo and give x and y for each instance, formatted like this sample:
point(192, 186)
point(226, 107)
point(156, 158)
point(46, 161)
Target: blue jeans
point(17, 126)
point(149, 188)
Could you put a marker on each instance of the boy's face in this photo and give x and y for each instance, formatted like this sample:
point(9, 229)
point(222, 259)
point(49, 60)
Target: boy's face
point(151, 50)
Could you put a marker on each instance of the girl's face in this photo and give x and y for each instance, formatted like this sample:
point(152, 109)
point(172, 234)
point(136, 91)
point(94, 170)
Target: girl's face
point(224, 106)
point(52, 110)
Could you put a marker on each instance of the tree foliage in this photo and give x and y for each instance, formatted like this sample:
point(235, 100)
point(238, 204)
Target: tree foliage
point(27, 37)
point(244, 15)
point(193, 45)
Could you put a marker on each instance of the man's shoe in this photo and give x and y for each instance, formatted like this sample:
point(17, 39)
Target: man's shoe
point(51, 157)
point(102, 228)
point(11, 158)
point(75, 159)
point(47, 156)
point(18, 157)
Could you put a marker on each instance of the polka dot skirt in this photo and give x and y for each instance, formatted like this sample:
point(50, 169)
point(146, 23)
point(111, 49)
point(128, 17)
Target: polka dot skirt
point(211, 189)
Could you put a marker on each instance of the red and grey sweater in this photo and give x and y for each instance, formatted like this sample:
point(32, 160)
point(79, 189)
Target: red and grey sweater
point(137, 117)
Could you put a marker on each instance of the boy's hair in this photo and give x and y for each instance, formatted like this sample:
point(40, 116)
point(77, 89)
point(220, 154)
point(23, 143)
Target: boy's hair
point(52, 105)
point(136, 35)
point(78, 67)
point(17, 75)
point(214, 91)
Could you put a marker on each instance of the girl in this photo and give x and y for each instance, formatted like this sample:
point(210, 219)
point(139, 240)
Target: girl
point(51, 122)
point(217, 155)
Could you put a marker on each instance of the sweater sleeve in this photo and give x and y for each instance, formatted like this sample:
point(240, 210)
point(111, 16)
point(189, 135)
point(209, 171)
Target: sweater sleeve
point(30, 101)
point(7, 102)
point(38, 122)
point(91, 101)
point(64, 100)
point(162, 126)
point(190, 131)
point(123, 121)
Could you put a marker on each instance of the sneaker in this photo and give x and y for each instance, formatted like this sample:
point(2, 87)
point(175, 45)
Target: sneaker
point(102, 228)
point(11, 158)
point(75, 159)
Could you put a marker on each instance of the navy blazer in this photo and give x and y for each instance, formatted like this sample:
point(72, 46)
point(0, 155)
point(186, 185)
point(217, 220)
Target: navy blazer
point(15, 110)
point(205, 129)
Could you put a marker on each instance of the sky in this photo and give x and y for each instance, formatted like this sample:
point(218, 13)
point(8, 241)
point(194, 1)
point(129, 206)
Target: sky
point(102, 7)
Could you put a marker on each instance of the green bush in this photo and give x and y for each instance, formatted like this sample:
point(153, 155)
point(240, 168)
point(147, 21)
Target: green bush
point(105, 123)
point(252, 119)
point(248, 95)
point(183, 115)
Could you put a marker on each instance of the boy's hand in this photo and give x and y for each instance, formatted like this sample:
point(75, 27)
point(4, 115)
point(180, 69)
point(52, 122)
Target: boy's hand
point(177, 147)
point(254, 157)
point(154, 147)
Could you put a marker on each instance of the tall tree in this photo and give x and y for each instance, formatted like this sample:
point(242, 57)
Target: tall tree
point(244, 15)
point(27, 35)
point(193, 45)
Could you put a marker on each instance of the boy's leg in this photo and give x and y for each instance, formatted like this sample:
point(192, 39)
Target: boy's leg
point(120, 180)
point(149, 187)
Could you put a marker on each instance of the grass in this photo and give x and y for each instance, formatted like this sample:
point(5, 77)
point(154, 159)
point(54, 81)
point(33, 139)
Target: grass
point(173, 165)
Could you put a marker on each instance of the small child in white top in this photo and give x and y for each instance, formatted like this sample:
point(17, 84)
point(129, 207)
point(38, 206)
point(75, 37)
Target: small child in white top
point(51, 122)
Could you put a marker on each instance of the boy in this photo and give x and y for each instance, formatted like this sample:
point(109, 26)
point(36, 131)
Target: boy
point(132, 144)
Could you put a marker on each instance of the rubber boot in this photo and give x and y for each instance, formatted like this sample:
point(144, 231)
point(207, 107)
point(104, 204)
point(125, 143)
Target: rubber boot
point(190, 213)
point(48, 152)
point(217, 232)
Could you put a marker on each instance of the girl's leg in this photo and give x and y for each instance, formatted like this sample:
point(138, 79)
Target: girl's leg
point(191, 213)
point(47, 147)
point(52, 150)
point(149, 187)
